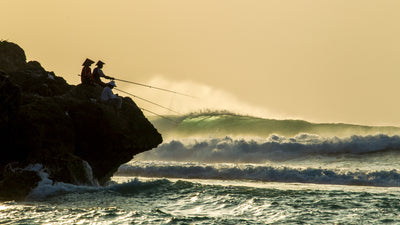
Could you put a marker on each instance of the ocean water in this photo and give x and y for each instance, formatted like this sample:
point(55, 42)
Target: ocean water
point(218, 168)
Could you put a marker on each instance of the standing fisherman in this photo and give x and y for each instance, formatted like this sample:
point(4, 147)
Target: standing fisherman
point(98, 72)
point(86, 74)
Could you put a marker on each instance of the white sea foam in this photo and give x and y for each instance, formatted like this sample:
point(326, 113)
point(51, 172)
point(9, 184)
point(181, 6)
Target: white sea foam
point(47, 187)
point(273, 148)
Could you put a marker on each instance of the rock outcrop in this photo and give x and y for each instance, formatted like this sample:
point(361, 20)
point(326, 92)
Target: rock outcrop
point(65, 128)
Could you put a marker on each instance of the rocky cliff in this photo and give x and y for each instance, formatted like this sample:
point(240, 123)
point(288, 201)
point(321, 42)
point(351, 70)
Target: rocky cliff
point(44, 120)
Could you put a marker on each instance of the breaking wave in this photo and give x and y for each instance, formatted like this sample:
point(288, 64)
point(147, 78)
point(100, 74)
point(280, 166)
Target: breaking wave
point(220, 124)
point(273, 148)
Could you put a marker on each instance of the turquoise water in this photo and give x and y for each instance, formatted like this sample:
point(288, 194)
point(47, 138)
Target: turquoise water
point(248, 172)
point(220, 124)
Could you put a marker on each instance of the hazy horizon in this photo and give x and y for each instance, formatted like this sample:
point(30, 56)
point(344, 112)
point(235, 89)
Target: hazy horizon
point(321, 61)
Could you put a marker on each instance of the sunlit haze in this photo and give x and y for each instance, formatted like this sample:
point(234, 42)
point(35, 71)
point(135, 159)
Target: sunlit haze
point(322, 61)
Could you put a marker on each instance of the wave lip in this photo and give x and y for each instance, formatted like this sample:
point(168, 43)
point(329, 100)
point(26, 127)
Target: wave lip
point(263, 173)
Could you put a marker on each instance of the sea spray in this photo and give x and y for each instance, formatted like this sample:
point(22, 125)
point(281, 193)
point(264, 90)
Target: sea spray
point(89, 174)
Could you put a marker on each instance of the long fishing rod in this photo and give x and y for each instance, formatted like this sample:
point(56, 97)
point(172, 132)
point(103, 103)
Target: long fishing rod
point(145, 85)
point(147, 100)
point(159, 115)
point(162, 89)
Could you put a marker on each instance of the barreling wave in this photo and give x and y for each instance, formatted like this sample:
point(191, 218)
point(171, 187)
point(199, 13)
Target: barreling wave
point(221, 123)
point(262, 173)
point(273, 148)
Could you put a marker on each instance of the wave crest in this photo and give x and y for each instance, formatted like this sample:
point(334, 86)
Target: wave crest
point(222, 123)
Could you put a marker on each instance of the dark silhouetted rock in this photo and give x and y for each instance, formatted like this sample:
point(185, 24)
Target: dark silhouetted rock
point(12, 57)
point(44, 120)
point(19, 182)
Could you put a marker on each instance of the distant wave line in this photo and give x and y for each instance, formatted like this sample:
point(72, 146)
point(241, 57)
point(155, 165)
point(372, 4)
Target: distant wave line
point(266, 173)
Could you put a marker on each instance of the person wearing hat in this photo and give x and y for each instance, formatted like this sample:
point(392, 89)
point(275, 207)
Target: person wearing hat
point(98, 72)
point(86, 74)
point(107, 96)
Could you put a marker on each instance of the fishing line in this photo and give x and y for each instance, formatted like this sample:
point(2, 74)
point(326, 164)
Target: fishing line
point(147, 100)
point(151, 101)
point(162, 89)
point(159, 115)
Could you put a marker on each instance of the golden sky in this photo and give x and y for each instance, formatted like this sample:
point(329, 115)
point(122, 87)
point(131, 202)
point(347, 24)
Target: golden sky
point(319, 60)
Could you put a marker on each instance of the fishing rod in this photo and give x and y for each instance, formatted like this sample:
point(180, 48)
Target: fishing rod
point(145, 85)
point(162, 89)
point(147, 100)
point(160, 115)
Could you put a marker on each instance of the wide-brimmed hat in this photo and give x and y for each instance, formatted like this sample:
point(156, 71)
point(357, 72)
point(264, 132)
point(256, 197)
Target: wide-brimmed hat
point(88, 62)
point(99, 63)
point(112, 83)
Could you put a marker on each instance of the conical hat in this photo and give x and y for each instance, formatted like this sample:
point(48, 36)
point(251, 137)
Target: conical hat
point(88, 62)
point(100, 63)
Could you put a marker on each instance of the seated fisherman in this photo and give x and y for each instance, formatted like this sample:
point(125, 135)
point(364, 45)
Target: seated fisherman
point(107, 96)
point(98, 72)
